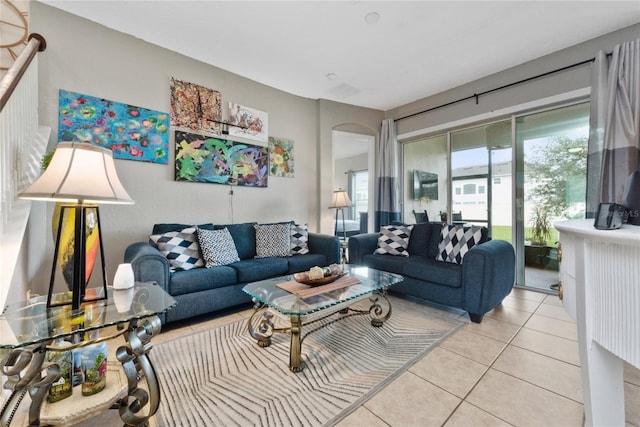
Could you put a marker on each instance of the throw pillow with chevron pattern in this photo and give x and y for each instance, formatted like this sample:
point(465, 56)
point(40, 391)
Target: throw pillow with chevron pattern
point(180, 247)
point(456, 241)
point(299, 239)
point(394, 240)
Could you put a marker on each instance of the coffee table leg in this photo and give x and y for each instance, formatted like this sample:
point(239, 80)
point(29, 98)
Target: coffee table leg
point(377, 312)
point(265, 328)
point(295, 349)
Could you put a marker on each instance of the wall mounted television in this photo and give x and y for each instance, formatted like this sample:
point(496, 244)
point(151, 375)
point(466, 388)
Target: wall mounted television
point(425, 184)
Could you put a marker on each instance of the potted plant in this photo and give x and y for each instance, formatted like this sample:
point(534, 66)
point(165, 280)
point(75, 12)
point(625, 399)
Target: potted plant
point(540, 226)
point(537, 251)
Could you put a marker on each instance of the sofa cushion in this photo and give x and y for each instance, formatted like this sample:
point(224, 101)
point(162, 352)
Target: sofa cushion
point(456, 241)
point(201, 279)
point(217, 247)
point(430, 270)
point(180, 247)
point(273, 240)
point(166, 227)
point(304, 262)
point(251, 270)
point(299, 239)
point(390, 263)
point(419, 240)
point(394, 240)
point(244, 236)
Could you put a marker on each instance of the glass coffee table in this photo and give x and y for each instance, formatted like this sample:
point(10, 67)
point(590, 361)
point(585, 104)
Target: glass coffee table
point(297, 312)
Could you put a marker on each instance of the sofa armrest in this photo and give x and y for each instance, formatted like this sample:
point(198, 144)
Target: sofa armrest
point(326, 245)
point(488, 275)
point(361, 245)
point(148, 263)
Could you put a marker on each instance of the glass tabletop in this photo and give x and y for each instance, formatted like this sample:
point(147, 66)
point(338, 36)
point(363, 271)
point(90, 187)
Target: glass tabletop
point(31, 322)
point(289, 304)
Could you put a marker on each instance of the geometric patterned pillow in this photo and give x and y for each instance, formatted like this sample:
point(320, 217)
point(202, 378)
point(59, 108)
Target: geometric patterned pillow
point(217, 247)
point(299, 239)
point(394, 240)
point(273, 240)
point(180, 247)
point(456, 241)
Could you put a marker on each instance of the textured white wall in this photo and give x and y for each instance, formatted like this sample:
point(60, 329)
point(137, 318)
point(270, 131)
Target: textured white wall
point(84, 57)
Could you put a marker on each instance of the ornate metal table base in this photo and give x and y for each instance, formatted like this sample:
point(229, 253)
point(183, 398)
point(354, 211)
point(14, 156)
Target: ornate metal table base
point(265, 326)
point(135, 362)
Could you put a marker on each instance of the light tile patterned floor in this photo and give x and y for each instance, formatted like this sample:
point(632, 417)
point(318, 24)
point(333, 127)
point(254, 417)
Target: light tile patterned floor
point(518, 367)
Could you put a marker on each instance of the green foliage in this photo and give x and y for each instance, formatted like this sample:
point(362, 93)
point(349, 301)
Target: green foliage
point(46, 159)
point(559, 170)
point(540, 225)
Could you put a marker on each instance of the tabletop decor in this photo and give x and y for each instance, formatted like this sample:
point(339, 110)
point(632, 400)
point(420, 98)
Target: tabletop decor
point(83, 176)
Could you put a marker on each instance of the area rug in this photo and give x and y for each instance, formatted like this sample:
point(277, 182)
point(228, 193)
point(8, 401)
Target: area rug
point(220, 377)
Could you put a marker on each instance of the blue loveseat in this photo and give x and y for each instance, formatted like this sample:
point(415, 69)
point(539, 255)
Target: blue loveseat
point(481, 282)
point(205, 290)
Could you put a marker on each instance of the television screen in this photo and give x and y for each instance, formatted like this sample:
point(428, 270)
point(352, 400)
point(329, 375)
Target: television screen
point(425, 184)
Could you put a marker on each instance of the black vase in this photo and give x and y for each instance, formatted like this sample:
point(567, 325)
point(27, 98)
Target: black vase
point(631, 198)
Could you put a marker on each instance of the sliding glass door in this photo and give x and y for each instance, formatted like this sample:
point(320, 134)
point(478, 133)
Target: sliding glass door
point(551, 160)
point(481, 184)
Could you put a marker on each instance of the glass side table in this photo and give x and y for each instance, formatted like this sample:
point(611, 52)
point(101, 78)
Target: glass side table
point(28, 330)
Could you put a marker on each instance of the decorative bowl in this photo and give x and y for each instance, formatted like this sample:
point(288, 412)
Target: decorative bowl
point(301, 278)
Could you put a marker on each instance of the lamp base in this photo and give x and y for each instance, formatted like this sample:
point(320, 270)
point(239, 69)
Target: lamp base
point(76, 264)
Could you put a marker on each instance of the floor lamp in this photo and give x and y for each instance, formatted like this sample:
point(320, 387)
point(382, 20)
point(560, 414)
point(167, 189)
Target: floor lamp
point(340, 201)
point(81, 176)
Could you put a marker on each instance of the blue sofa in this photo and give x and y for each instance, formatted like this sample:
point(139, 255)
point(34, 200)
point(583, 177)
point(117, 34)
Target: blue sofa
point(481, 282)
point(205, 290)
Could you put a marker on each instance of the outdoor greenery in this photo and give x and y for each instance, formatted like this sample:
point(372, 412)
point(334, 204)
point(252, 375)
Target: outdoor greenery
point(558, 169)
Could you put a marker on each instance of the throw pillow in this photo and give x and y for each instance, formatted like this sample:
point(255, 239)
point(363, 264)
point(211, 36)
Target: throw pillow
point(217, 247)
point(299, 239)
point(394, 240)
point(456, 241)
point(180, 247)
point(273, 240)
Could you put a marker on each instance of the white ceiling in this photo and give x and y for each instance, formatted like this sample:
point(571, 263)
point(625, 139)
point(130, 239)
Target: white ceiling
point(416, 49)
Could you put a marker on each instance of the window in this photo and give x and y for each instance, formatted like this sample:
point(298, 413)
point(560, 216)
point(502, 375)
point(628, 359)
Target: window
point(469, 189)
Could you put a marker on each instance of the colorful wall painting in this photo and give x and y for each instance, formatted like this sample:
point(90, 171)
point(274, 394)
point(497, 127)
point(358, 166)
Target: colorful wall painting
point(254, 123)
point(280, 157)
point(206, 159)
point(195, 108)
point(132, 133)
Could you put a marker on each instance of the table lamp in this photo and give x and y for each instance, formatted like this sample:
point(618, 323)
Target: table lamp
point(80, 175)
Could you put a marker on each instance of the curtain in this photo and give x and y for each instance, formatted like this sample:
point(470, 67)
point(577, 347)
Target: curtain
point(614, 138)
point(386, 184)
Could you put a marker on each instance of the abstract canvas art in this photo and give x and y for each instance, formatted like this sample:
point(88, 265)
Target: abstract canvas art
point(132, 133)
point(280, 157)
point(205, 159)
point(248, 122)
point(195, 108)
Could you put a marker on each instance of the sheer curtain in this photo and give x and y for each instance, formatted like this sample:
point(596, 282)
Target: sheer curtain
point(386, 184)
point(614, 139)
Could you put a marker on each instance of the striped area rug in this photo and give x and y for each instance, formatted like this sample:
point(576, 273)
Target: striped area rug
point(220, 377)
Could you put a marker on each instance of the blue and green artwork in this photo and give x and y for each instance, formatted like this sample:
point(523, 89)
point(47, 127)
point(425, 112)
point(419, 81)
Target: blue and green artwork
point(132, 133)
point(218, 161)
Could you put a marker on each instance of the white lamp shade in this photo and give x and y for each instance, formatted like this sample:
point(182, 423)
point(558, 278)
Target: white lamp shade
point(340, 200)
point(79, 172)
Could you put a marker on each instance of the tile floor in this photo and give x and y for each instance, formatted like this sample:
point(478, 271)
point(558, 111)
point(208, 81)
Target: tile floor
point(518, 367)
